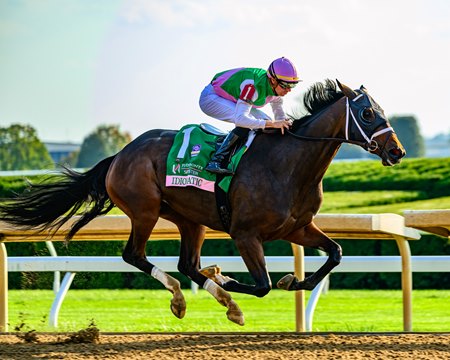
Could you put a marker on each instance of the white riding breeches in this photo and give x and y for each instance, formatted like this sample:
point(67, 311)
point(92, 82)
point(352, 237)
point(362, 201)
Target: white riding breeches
point(226, 110)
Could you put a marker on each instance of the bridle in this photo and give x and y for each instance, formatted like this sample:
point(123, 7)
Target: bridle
point(370, 144)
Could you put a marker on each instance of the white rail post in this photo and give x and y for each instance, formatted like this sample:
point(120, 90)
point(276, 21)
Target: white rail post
point(57, 274)
point(56, 306)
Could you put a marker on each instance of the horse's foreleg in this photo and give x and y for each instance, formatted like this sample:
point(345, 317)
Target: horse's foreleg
point(134, 254)
point(252, 252)
point(311, 236)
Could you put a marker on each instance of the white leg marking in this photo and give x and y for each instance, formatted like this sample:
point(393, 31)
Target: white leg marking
point(161, 276)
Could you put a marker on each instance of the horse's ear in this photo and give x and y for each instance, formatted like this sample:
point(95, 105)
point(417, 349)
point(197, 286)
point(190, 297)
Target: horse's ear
point(346, 90)
point(362, 88)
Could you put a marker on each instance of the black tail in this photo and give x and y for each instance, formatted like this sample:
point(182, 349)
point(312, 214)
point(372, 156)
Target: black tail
point(49, 205)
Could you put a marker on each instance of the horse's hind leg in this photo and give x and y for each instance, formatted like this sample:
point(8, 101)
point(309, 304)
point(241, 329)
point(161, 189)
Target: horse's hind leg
point(141, 202)
point(311, 236)
point(192, 238)
point(134, 254)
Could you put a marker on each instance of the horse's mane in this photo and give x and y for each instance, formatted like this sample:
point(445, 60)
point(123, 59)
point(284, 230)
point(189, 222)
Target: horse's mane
point(318, 97)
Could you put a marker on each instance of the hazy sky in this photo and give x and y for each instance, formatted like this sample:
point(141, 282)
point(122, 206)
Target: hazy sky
point(68, 66)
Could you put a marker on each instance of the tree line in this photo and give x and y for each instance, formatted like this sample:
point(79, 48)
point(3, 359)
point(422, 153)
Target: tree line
point(21, 149)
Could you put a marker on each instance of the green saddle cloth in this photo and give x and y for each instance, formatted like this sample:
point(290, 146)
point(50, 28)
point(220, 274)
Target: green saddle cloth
point(190, 153)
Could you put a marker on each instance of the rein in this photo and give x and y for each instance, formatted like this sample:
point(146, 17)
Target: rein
point(370, 144)
point(310, 138)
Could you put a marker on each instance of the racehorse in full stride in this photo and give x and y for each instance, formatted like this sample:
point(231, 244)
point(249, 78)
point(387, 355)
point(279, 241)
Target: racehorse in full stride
point(275, 194)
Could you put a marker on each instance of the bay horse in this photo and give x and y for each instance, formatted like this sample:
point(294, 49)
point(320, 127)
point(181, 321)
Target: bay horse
point(275, 194)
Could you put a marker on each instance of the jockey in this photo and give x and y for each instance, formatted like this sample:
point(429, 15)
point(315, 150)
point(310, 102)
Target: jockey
point(234, 96)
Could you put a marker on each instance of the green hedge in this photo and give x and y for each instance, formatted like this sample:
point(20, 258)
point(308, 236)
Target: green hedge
point(428, 175)
point(11, 185)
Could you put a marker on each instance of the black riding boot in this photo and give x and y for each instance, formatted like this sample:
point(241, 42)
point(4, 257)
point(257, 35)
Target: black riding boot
point(221, 153)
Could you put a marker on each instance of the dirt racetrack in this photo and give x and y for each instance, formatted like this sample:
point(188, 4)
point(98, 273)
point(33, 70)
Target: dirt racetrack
point(229, 346)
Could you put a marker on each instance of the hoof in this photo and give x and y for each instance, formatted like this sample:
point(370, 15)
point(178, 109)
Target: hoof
point(286, 282)
point(235, 314)
point(210, 271)
point(178, 305)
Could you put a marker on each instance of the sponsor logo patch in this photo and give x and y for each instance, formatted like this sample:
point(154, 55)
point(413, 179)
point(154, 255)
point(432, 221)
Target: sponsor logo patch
point(176, 168)
point(195, 150)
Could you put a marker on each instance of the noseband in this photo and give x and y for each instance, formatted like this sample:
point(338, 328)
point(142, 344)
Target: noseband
point(370, 144)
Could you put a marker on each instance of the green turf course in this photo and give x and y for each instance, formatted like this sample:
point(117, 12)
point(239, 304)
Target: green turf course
point(148, 311)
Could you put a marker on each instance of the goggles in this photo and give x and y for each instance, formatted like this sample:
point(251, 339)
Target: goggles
point(287, 85)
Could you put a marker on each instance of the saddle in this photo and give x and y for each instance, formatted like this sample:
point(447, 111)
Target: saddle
point(212, 130)
point(191, 151)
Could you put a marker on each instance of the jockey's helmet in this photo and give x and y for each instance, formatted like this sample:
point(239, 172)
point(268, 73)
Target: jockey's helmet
point(283, 70)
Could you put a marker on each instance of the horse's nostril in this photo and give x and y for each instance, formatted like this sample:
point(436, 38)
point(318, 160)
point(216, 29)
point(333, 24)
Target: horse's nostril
point(397, 153)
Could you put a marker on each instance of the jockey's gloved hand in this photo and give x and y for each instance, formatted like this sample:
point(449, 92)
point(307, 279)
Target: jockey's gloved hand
point(279, 124)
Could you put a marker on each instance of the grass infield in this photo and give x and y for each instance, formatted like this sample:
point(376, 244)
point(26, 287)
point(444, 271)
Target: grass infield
point(148, 311)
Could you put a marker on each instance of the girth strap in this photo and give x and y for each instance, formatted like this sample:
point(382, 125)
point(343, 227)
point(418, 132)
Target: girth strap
point(223, 204)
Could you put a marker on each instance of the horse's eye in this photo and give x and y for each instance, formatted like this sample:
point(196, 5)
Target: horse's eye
point(367, 114)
